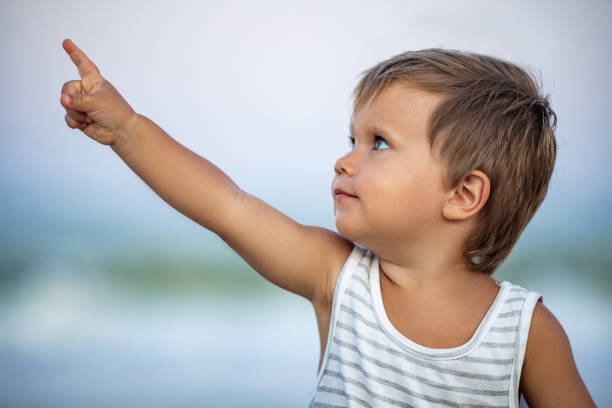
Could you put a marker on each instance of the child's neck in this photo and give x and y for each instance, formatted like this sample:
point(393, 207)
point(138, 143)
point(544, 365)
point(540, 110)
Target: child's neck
point(424, 277)
point(431, 259)
point(422, 305)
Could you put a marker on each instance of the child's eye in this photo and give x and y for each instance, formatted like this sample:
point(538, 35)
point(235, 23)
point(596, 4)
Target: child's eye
point(380, 143)
point(351, 141)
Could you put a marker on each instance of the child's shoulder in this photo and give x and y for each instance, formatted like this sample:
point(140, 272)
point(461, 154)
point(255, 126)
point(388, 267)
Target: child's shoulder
point(549, 376)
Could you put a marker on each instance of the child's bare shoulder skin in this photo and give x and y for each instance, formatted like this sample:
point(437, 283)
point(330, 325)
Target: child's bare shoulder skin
point(549, 376)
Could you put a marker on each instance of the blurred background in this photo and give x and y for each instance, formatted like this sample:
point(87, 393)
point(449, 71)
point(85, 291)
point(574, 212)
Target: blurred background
point(110, 297)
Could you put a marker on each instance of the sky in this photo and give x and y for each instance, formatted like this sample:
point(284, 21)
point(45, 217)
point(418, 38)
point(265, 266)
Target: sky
point(263, 90)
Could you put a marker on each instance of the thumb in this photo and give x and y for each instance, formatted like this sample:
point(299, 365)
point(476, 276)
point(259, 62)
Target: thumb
point(79, 102)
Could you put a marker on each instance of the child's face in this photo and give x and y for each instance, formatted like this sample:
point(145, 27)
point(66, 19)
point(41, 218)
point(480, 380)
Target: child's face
point(390, 171)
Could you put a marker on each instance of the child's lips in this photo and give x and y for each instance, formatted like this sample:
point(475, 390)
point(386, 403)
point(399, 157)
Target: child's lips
point(339, 193)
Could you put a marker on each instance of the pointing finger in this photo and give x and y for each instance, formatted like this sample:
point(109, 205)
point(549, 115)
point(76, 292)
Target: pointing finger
point(85, 66)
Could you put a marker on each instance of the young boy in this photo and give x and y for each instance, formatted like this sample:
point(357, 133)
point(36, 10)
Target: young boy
point(451, 156)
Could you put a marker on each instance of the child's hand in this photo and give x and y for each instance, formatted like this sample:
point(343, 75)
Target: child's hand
point(92, 103)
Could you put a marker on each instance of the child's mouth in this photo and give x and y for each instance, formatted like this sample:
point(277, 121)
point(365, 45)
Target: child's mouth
point(339, 193)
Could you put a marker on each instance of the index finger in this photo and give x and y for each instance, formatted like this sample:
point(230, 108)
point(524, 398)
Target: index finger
point(85, 66)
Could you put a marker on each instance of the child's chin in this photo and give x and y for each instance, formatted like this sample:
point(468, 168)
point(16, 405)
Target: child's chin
point(346, 229)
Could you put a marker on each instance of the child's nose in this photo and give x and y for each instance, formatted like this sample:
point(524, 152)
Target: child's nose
point(346, 164)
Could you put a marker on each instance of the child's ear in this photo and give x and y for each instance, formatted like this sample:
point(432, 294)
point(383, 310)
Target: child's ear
point(468, 197)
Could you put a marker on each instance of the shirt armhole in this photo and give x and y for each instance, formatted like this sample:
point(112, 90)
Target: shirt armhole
point(354, 257)
point(523, 332)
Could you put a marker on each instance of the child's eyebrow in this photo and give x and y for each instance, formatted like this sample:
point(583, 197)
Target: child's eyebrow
point(374, 129)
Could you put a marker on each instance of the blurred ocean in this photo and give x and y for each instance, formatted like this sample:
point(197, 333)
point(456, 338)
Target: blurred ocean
point(92, 324)
point(71, 336)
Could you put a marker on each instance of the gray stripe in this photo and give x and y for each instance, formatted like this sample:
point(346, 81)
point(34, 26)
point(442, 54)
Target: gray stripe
point(358, 384)
point(362, 281)
point(508, 314)
point(330, 390)
point(516, 299)
point(324, 405)
point(358, 297)
point(496, 361)
point(344, 394)
point(418, 379)
point(364, 261)
point(496, 345)
point(357, 316)
point(504, 329)
point(370, 393)
point(414, 394)
point(351, 397)
point(518, 289)
point(409, 358)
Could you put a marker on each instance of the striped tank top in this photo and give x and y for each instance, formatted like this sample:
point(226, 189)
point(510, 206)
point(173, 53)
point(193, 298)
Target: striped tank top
point(369, 363)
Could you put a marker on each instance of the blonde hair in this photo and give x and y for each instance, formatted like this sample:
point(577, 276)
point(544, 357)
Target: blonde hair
point(493, 119)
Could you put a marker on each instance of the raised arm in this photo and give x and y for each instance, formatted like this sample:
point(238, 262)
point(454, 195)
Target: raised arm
point(298, 258)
